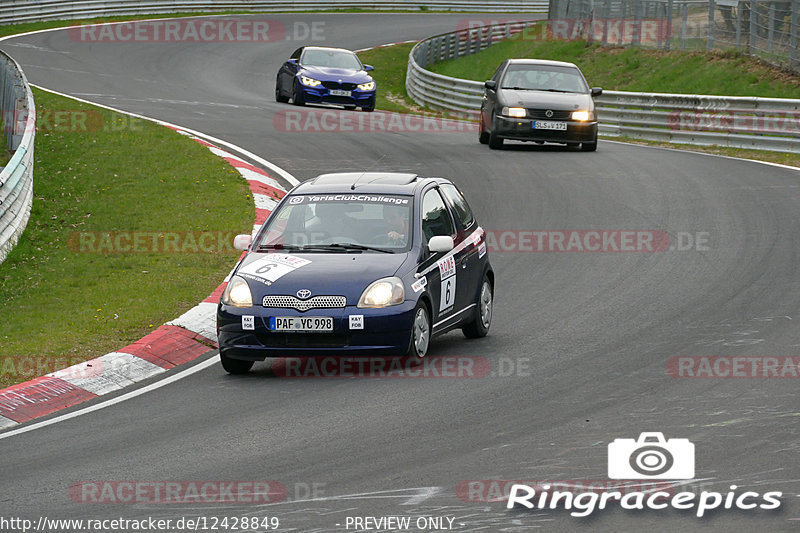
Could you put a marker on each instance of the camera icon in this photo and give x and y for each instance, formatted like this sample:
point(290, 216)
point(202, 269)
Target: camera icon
point(651, 457)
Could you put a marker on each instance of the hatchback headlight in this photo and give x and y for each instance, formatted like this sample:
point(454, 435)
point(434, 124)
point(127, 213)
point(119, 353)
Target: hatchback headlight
point(515, 112)
point(367, 86)
point(581, 116)
point(237, 293)
point(383, 293)
point(311, 82)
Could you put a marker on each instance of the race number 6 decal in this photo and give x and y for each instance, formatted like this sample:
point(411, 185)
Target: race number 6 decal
point(448, 294)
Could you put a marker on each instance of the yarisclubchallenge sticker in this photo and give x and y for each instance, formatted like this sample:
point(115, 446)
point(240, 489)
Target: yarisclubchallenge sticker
point(271, 267)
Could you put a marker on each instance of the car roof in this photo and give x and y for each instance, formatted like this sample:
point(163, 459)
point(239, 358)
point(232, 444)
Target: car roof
point(365, 182)
point(546, 62)
point(328, 48)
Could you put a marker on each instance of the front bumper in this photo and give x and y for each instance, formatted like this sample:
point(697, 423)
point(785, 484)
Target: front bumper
point(387, 331)
point(521, 129)
point(322, 95)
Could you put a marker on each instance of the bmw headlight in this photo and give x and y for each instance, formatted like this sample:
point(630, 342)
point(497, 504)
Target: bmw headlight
point(237, 293)
point(581, 116)
point(515, 112)
point(311, 82)
point(383, 293)
point(370, 85)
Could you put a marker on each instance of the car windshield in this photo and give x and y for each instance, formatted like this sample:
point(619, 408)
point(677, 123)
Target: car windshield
point(340, 223)
point(331, 58)
point(544, 78)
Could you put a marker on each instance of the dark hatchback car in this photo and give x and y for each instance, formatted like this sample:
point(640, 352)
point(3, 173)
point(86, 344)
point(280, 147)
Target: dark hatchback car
point(370, 264)
point(320, 75)
point(539, 100)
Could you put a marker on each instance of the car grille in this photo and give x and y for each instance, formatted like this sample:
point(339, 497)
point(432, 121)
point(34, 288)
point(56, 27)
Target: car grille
point(334, 85)
point(541, 114)
point(317, 302)
point(304, 340)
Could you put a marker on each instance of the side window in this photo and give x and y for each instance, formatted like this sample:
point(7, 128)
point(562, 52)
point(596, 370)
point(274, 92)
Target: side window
point(460, 205)
point(435, 217)
point(499, 71)
point(296, 53)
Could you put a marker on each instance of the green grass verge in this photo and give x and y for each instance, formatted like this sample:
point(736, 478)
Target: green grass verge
point(114, 174)
point(725, 73)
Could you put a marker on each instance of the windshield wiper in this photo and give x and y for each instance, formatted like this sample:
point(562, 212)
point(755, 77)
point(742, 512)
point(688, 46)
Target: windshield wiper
point(278, 247)
point(533, 89)
point(348, 246)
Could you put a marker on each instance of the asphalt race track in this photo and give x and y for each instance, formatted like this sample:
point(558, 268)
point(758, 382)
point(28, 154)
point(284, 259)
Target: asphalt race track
point(579, 345)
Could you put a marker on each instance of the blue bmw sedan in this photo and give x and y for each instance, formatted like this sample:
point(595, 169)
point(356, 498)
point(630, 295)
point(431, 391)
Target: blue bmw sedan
point(319, 75)
point(370, 263)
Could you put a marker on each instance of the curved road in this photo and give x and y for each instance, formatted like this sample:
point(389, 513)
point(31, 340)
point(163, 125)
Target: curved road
point(578, 348)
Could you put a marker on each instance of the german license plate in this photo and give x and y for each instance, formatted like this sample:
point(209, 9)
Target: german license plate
point(340, 92)
point(300, 323)
point(545, 125)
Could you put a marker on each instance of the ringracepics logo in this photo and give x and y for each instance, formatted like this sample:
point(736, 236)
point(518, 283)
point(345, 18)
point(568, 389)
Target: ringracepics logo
point(650, 457)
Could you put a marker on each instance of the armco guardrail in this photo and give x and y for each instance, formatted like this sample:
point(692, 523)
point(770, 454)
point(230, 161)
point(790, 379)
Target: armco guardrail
point(17, 11)
point(443, 92)
point(737, 122)
point(16, 178)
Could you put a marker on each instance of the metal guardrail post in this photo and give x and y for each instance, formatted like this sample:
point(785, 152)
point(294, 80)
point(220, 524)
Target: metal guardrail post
point(710, 37)
point(793, 33)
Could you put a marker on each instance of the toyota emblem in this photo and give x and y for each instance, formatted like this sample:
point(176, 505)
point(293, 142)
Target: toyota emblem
point(304, 294)
point(549, 113)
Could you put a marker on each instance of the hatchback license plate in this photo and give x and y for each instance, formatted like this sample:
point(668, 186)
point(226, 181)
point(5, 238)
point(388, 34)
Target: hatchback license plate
point(300, 323)
point(340, 92)
point(544, 125)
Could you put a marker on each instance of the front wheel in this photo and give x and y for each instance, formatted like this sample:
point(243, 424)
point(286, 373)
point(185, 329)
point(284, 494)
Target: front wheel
point(420, 334)
point(479, 326)
point(298, 98)
point(278, 96)
point(483, 135)
point(235, 366)
point(495, 141)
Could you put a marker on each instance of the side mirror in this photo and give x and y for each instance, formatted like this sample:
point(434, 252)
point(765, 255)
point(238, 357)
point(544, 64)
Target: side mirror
point(596, 91)
point(490, 84)
point(441, 243)
point(291, 62)
point(369, 68)
point(242, 242)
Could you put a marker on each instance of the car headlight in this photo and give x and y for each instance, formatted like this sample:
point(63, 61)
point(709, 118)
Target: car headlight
point(237, 293)
point(515, 112)
point(581, 116)
point(311, 82)
point(367, 86)
point(383, 293)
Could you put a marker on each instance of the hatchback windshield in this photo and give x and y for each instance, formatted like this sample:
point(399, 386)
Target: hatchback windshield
point(331, 58)
point(544, 78)
point(339, 221)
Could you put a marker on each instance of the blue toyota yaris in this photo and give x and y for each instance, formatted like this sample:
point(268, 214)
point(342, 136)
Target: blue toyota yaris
point(319, 75)
point(371, 263)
